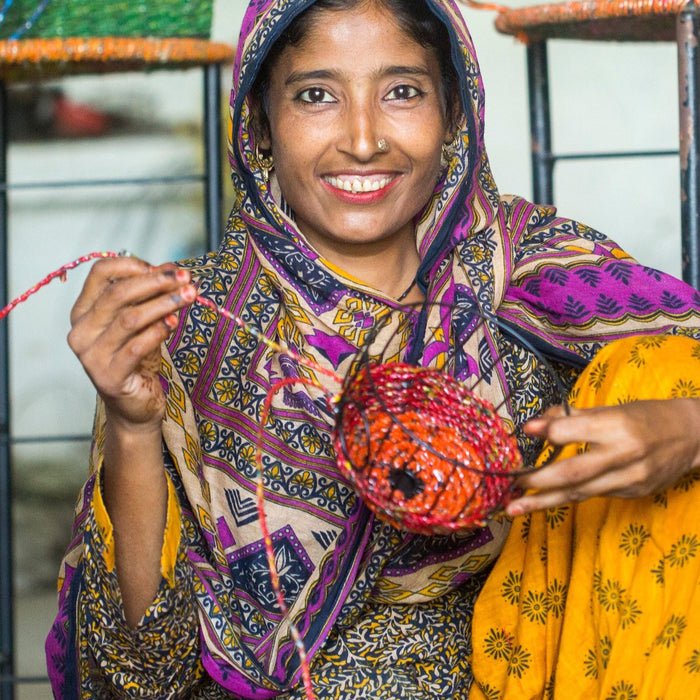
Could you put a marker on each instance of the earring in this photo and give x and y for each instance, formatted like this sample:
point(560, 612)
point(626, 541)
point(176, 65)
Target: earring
point(382, 145)
point(265, 163)
point(447, 152)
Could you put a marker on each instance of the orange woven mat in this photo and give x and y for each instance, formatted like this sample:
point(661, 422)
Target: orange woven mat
point(618, 20)
point(34, 59)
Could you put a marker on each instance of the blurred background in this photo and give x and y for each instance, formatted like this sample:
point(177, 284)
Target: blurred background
point(605, 97)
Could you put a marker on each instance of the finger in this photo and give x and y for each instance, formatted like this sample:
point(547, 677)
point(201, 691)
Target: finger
point(599, 425)
point(101, 275)
point(109, 291)
point(99, 305)
point(158, 311)
point(111, 335)
point(538, 426)
point(575, 470)
point(135, 290)
point(614, 483)
point(111, 368)
point(139, 356)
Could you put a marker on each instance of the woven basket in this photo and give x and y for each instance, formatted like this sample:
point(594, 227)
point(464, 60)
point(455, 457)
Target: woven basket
point(100, 18)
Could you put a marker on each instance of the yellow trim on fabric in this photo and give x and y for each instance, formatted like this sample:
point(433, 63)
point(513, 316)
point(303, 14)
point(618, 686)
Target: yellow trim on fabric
point(620, 254)
point(103, 521)
point(346, 276)
point(615, 252)
point(342, 273)
point(171, 537)
point(576, 249)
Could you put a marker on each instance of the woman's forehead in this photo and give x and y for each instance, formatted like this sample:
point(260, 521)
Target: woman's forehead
point(358, 40)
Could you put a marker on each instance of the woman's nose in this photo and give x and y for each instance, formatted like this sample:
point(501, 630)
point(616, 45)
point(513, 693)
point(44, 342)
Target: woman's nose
point(360, 137)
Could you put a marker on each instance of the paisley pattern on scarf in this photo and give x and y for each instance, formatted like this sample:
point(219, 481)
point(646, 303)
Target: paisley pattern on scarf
point(601, 600)
point(345, 575)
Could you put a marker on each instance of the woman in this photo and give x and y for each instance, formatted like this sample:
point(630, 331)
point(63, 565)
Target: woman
point(361, 183)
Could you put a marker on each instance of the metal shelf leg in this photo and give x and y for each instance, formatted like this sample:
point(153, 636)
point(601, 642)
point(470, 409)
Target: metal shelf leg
point(6, 588)
point(212, 155)
point(540, 130)
point(688, 33)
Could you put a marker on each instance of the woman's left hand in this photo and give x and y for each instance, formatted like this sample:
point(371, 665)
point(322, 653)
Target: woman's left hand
point(634, 450)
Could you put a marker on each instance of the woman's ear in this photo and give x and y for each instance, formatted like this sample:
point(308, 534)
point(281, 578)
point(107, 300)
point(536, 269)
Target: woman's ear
point(260, 125)
point(455, 116)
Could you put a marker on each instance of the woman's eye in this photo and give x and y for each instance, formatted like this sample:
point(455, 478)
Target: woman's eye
point(315, 96)
point(404, 92)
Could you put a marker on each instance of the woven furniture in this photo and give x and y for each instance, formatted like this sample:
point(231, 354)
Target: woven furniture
point(41, 59)
point(618, 20)
point(89, 18)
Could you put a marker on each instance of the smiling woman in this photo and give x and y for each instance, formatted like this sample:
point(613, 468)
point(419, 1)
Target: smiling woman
point(361, 178)
point(357, 135)
point(330, 99)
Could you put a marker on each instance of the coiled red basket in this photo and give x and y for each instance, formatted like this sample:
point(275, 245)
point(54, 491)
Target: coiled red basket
point(425, 452)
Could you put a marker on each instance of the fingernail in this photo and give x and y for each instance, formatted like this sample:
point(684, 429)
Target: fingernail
point(182, 275)
point(170, 321)
point(188, 293)
point(515, 509)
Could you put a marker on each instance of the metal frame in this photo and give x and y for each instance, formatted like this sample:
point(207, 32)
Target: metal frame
point(687, 35)
point(212, 182)
point(543, 159)
point(7, 657)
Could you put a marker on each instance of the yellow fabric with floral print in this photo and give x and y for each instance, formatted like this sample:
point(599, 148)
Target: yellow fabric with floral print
point(601, 600)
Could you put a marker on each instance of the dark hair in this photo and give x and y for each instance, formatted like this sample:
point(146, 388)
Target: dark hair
point(414, 17)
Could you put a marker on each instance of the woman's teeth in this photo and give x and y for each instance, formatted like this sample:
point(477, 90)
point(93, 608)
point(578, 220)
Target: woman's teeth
point(358, 185)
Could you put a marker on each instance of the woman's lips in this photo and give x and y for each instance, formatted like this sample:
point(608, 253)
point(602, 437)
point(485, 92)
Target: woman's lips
point(360, 188)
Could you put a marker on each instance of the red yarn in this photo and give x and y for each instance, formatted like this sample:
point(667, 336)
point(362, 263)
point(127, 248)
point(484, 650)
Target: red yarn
point(60, 274)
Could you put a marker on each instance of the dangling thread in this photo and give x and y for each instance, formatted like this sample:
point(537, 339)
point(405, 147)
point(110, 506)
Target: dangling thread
point(61, 274)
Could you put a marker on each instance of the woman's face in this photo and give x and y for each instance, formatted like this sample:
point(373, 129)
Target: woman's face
point(355, 79)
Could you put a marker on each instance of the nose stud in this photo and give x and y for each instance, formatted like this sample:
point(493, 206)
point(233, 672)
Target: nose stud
point(382, 145)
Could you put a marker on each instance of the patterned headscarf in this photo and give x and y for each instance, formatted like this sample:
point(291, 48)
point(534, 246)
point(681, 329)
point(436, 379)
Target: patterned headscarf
point(561, 285)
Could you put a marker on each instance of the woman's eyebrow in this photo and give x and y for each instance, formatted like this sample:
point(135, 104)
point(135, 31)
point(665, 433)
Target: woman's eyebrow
point(329, 74)
point(301, 76)
point(405, 70)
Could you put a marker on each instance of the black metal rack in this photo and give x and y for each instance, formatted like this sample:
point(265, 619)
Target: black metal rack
point(209, 57)
point(616, 20)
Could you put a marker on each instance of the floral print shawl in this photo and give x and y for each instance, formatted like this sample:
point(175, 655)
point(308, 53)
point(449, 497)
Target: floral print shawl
point(562, 285)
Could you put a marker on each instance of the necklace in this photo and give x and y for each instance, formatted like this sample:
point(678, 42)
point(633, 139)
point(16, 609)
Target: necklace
point(410, 287)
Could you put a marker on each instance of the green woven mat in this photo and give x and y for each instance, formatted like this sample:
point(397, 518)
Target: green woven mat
point(90, 18)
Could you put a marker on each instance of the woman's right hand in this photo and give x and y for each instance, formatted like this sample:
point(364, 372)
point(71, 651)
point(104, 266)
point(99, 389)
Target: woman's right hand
point(126, 309)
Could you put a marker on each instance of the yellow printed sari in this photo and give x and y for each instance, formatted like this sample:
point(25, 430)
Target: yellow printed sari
point(601, 600)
